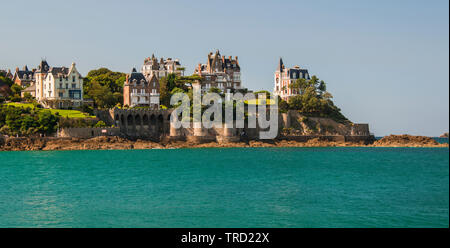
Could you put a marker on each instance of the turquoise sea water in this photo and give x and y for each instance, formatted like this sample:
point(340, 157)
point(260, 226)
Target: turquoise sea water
point(233, 187)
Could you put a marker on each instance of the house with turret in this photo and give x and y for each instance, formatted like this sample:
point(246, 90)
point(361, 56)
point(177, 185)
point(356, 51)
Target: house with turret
point(220, 72)
point(285, 77)
point(141, 90)
point(162, 67)
point(58, 87)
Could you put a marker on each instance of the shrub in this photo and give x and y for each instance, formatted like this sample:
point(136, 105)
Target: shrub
point(100, 124)
point(15, 98)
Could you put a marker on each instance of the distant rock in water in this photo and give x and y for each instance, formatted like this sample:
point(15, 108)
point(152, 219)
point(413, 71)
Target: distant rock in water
point(408, 141)
point(445, 135)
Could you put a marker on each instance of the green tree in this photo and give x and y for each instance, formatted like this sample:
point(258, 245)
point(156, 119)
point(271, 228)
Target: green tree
point(28, 97)
point(103, 97)
point(16, 89)
point(215, 90)
point(47, 122)
point(107, 82)
point(100, 124)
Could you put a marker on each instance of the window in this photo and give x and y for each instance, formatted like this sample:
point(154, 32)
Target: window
point(60, 85)
point(75, 94)
point(61, 94)
point(67, 86)
point(73, 78)
point(74, 86)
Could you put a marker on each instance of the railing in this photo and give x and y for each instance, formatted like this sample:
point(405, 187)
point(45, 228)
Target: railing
point(140, 94)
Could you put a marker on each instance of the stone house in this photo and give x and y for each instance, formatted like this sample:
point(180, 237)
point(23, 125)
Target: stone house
point(220, 72)
point(23, 77)
point(139, 90)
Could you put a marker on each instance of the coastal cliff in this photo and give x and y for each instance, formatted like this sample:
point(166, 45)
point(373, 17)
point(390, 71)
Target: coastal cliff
point(117, 143)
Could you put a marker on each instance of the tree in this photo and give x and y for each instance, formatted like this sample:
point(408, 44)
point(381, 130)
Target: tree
point(47, 122)
point(103, 97)
point(100, 124)
point(6, 80)
point(282, 105)
point(314, 100)
point(28, 97)
point(106, 82)
point(215, 90)
point(16, 89)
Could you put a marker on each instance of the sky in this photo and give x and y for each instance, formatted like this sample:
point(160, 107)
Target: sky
point(385, 62)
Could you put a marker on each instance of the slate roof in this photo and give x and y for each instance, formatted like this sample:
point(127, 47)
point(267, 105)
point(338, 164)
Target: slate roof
point(25, 75)
point(134, 75)
point(59, 71)
point(43, 66)
point(297, 71)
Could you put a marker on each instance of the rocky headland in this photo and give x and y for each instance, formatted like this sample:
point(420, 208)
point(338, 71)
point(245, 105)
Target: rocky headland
point(118, 143)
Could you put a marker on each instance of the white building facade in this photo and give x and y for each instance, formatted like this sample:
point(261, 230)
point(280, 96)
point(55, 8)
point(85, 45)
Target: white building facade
point(60, 87)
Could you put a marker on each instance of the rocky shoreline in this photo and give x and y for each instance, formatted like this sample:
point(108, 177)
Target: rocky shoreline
point(118, 143)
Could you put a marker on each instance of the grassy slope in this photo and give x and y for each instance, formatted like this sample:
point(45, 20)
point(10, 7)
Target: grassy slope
point(62, 112)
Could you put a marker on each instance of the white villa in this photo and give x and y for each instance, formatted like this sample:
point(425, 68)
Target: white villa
point(59, 87)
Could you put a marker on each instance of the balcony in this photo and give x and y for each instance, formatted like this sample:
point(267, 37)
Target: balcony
point(140, 94)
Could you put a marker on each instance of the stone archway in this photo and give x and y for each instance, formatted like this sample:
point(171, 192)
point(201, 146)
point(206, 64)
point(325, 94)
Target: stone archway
point(137, 120)
point(160, 125)
point(145, 120)
point(122, 121)
point(130, 120)
point(117, 120)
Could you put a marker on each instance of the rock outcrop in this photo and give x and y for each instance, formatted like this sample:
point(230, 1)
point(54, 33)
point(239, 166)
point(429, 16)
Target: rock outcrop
point(117, 143)
point(407, 141)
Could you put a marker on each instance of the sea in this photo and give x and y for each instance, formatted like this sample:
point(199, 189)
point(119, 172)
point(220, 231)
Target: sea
point(226, 187)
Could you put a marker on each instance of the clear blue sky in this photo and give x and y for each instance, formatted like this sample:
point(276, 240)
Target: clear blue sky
point(386, 62)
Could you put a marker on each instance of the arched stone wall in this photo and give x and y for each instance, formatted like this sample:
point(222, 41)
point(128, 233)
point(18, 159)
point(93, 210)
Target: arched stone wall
point(143, 123)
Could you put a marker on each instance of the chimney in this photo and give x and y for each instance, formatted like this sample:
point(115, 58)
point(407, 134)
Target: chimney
point(199, 69)
point(17, 69)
